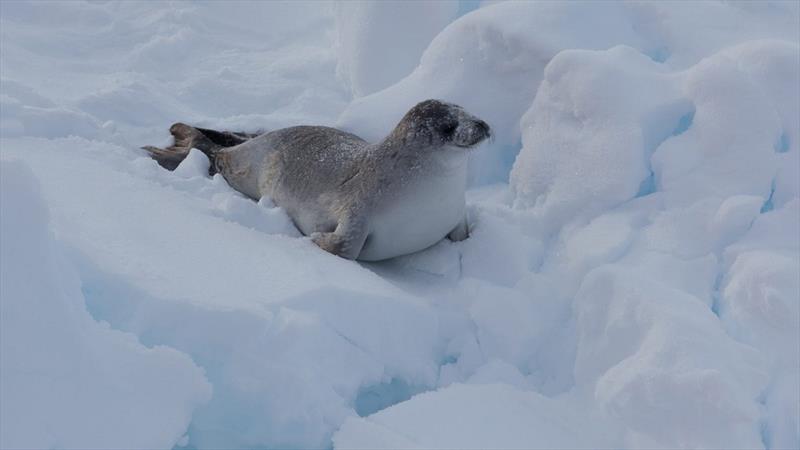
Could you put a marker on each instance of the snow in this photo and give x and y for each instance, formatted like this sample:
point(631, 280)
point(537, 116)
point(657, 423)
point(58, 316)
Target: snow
point(374, 46)
point(593, 122)
point(643, 346)
point(56, 358)
point(466, 416)
point(257, 322)
point(631, 278)
point(196, 164)
point(759, 305)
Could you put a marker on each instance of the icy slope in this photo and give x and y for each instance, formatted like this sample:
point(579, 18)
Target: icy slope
point(56, 359)
point(466, 416)
point(275, 329)
point(630, 282)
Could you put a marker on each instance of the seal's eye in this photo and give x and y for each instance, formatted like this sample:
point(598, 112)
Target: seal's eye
point(449, 128)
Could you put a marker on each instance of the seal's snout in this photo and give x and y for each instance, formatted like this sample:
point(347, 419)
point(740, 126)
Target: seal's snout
point(471, 132)
point(484, 128)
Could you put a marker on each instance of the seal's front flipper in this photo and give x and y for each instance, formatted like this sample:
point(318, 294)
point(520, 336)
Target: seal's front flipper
point(346, 241)
point(460, 232)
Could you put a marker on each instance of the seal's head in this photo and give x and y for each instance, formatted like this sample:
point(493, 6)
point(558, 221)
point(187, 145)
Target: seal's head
point(436, 124)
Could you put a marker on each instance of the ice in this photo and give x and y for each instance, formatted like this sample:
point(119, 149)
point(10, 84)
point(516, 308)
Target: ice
point(583, 130)
point(760, 305)
point(691, 159)
point(375, 46)
point(759, 302)
point(645, 346)
point(67, 380)
point(477, 416)
point(774, 230)
point(196, 164)
point(499, 253)
point(705, 161)
point(630, 281)
point(506, 321)
point(501, 372)
point(273, 332)
point(733, 218)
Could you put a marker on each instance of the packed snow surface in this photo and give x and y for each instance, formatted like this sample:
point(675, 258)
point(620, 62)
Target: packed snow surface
point(632, 279)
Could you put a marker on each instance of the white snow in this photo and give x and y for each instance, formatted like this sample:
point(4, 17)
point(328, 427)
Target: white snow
point(268, 317)
point(632, 279)
point(478, 416)
point(375, 46)
point(196, 164)
point(643, 346)
point(67, 380)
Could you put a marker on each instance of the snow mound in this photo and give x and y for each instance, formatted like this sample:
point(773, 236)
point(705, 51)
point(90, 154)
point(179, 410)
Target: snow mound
point(597, 135)
point(676, 188)
point(196, 164)
point(270, 319)
point(375, 45)
point(593, 124)
point(760, 305)
point(477, 416)
point(643, 346)
point(67, 380)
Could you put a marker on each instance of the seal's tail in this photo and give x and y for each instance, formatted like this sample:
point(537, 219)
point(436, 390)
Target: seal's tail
point(187, 137)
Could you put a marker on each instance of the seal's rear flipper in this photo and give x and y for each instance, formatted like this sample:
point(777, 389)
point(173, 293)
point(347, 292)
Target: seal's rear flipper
point(168, 158)
point(184, 139)
point(226, 138)
point(187, 137)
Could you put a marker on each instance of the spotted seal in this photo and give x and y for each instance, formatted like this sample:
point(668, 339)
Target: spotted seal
point(354, 199)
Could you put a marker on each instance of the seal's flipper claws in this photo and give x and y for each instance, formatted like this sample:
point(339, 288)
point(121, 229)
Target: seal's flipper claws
point(460, 232)
point(346, 241)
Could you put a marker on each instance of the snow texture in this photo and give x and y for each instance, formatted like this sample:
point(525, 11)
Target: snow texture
point(56, 359)
point(632, 278)
point(375, 46)
point(465, 416)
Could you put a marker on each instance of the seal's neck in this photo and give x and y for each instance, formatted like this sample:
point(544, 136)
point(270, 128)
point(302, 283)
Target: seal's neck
point(395, 154)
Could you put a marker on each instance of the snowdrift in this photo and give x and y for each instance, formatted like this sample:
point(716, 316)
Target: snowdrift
point(56, 359)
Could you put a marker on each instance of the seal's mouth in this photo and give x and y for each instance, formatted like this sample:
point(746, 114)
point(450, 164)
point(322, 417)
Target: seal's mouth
point(471, 133)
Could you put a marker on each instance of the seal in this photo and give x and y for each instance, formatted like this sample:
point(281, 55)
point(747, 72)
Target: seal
point(354, 199)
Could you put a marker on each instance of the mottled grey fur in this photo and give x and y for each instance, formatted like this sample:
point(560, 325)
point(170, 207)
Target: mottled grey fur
point(331, 183)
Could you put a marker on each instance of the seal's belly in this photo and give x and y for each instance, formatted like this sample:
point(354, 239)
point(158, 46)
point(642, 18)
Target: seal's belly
point(416, 218)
